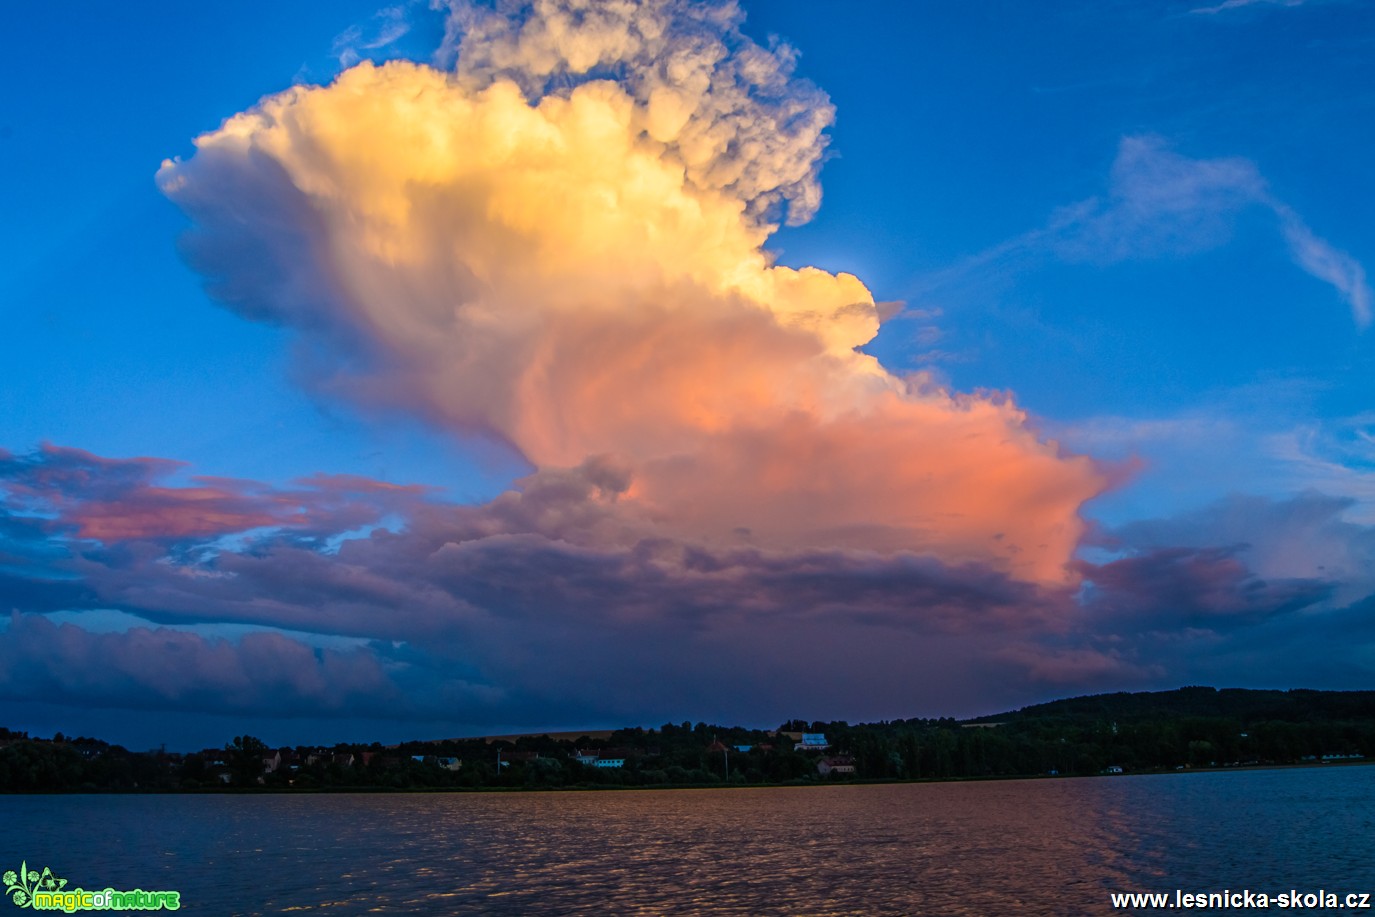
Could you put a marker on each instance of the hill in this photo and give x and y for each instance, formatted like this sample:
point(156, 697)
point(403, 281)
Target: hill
point(1298, 705)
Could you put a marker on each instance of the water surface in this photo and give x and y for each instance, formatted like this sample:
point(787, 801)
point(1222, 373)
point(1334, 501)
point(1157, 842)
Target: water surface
point(1019, 846)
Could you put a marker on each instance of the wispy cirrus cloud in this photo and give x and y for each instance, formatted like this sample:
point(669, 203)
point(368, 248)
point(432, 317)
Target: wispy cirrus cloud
point(1227, 5)
point(387, 26)
point(1329, 264)
point(1158, 203)
point(1267, 438)
point(1161, 203)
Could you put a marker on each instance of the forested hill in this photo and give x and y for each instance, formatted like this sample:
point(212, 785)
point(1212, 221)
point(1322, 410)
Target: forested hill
point(1246, 706)
point(1185, 729)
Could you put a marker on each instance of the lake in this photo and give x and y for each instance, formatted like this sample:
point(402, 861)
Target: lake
point(1050, 846)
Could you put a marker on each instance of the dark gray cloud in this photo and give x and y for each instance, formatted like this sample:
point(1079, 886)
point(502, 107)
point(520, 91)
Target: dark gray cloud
point(560, 603)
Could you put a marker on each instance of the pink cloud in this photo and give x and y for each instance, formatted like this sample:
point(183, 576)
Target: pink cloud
point(113, 500)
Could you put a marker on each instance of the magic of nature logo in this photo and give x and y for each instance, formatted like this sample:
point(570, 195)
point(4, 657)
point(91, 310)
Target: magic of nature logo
point(45, 891)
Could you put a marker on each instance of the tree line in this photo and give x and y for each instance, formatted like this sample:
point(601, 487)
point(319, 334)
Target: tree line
point(1172, 730)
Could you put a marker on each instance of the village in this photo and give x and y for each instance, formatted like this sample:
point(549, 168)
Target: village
point(1104, 735)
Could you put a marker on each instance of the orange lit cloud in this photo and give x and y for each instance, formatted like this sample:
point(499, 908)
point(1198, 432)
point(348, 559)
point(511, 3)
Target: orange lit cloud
point(580, 272)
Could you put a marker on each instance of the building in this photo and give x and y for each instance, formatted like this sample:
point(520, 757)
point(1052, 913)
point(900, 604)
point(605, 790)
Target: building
point(812, 741)
point(835, 764)
point(611, 757)
point(506, 758)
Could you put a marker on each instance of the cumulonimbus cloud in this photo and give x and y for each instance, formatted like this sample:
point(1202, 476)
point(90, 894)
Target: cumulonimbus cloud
point(560, 243)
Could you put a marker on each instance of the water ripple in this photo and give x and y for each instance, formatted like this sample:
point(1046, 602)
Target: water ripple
point(1037, 847)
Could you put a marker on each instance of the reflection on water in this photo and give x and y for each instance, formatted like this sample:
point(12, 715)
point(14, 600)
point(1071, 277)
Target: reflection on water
point(1026, 846)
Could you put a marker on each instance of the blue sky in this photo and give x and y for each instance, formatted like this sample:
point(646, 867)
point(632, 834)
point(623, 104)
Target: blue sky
point(984, 122)
point(121, 350)
point(1148, 222)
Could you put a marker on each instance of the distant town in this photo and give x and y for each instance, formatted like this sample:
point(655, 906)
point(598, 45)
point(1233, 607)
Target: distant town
point(1108, 734)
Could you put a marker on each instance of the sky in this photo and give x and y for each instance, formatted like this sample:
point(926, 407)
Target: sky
point(458, 369)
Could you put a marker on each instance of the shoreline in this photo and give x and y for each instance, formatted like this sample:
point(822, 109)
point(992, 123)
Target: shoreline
point(607, 788)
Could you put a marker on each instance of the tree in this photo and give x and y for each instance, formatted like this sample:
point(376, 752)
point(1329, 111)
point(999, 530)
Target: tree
point(245, 755)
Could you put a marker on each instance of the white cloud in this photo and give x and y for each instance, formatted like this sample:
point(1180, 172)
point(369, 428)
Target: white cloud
point(1260, 439)
point(728, 111)
point(1163, 203)
point(1238, 4)
point(1330, 265)
point(1159, 202)
point(388, 26)
point(1335, 457)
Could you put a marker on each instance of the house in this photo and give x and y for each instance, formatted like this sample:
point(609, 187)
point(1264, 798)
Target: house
point(744, 748)
point(812, 741)
point(272, 762)
point(449, 764)
point(343, 759)
point(1113, 769)
point(610, 757)
point(504, 758)
point(835, 764)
